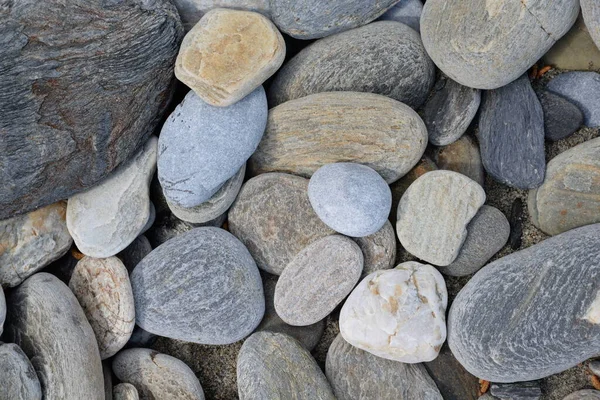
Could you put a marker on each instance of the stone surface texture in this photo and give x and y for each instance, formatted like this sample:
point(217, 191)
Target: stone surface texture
point(18, 380)
point(379, 249)
point(463, 157)
point(191, 11)
point(407, 12)
point(576, 50)
point(561, 117)
point(401, 185)
point(125, 391)
point(591, 15)
point(582, 89)
point(517, 391)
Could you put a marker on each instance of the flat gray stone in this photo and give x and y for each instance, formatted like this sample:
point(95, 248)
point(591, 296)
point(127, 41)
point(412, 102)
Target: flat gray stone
point(449, 111)
point(517, 391)
point(191, 11)
point(105, 219)
point(561, 117)
point(2, 310)
point(156, 375)
point(379, 249)
point(18, 380)
point(581, 89)
point(275, 366)
point(407, 12)
point(135, 252)
point(202, 146)
point(384, 57)
point(351, 199)
point(46, 321)
point(585, 394)
point(487, 233)
point(487, 45)
point(591, 15)
point(511, 135)
point(570, 194)
point(545, 296)
point(125, 391)
point(202, 286)
point(357, 374)
point(433, 215)
point(30, 242)
point(317, 280)
point(273, 217)
point(463, 157)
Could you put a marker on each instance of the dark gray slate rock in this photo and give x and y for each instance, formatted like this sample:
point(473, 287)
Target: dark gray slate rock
point(311, 19)
point(591, 15)
point(2, 310)
point(585, 394)
point(379, 249)
point(77, 102)
point(487, 233)
point(135, 252)
point(463, 157)
point(516, 219)
point(46, 321)
point(511, 135)
point(275, 366)
point(18, 380)
point(357, 374)
point(407, 12)
point(451, 378)
point(449, 111)
point(517, 391)
point(125, 391)
point(544, 297)
point(561, 117)
point(202, 146)
point(384, 57)
point(486, 45)
point(581, 89)
point(201, 287)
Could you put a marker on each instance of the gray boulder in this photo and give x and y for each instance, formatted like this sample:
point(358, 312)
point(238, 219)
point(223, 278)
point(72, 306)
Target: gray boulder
point(581, 88)
point(407, 12)
point(561, 117)
point(18, 380)
point(591, 15)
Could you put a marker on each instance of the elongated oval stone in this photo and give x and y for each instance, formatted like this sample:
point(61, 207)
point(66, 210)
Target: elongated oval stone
point(544, 297)
point(591, 15)
point(46, 321)
point(18, 380)
point(384, 57)
point(488, 44)
point(202, 286)
point(304, 134)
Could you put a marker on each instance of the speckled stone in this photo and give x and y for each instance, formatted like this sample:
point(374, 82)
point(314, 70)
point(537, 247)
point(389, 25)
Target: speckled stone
point(191, 11)
point(357, 374)
point(273, 217)
point(317, 280)
point(398, 314)
point(463, 157)
point(517, 391)
point(400, 186)
point(407, 12)
point(156, 375)
point(105, 219)
point(433, 215)
point(384, 57)
point(570, 195)
point(561, 117)
point(202, 146)
point(303, 135)
point(2, 310)
point(591, 14)
point(202, 286)
point(18, 380)
point(581, 89)
point(379, 249)
point(275, 366)
point(449, 111)
point(46, 321)
point(135, 252)
point(511, 135)
point(585, 394)
point(487, 45)
point(32, 241)
point(125, 391)
point(546, 296)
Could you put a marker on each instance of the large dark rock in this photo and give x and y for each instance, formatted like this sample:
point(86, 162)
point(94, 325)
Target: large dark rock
point(84, 83)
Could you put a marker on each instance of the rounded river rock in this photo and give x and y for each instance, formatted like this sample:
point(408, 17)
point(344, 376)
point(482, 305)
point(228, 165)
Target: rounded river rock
point(591, 16)
point(125, 391)
point(18, 380)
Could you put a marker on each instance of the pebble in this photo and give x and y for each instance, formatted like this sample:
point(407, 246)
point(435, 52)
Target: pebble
point(250, 50)
point(379, 249)
point(30, 242)
point(407, 12)
point(433, 215)
point(581, 89)
point(487, 45)
point(46, 321)
point(561, 117)
point(18, 380)
point(543, 297)
point(384, 57)
point(156, 375)
point(398, 314)
point(103, 290)
point(463, 157)
point(487, 233)
point(517, 391)
point(595, 367)
point(591, 14)
point(364, 128)
point(2, 310)
point(275, 366)
point(317, 280)
point(351, 199)
point(574, 51)
point(357, 374)
point(125, 391)
point(401, 185)
point(449, 111)
point(273, 217)
point(569, 197)
point(135, 252)
point(585, 394)
point(451, 378)
point(191, 11)
point(515, 160)
point(202, 146)
point(516, 219)
point(202, 286)
point(105, 219)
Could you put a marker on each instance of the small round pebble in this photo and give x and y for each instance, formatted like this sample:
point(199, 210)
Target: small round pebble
point(125, 391)
point(462, 156)
point(18, 379)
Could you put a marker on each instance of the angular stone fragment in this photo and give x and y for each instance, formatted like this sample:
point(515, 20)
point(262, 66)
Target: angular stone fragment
point(275, 366)
point(517, 391)
point(31, 241)
point(18, 380)
point(433, 215)
point(250, 50)
point(384, 57)
point(591, 14)
point(581, 89)
point(576, 50)
point(561, 117)
point(398, 314)
point(192, 10)
point(546, 296)
point(357, 374)
point(135, 252)
point(400, 186)
point(407, 12)
point(125, 391)
point(105, 219)
point(585, 394)
point(379, 249)
point(304, 134)
point(463, 157)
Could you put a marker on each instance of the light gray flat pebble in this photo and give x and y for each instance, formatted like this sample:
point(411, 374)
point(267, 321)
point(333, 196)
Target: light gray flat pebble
point(585, 394)
point(581, 88)
point(18, 380)
point(135, 252)
point(125, 391)
point(462, 156)
point(379, 249)
point(407, 12)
